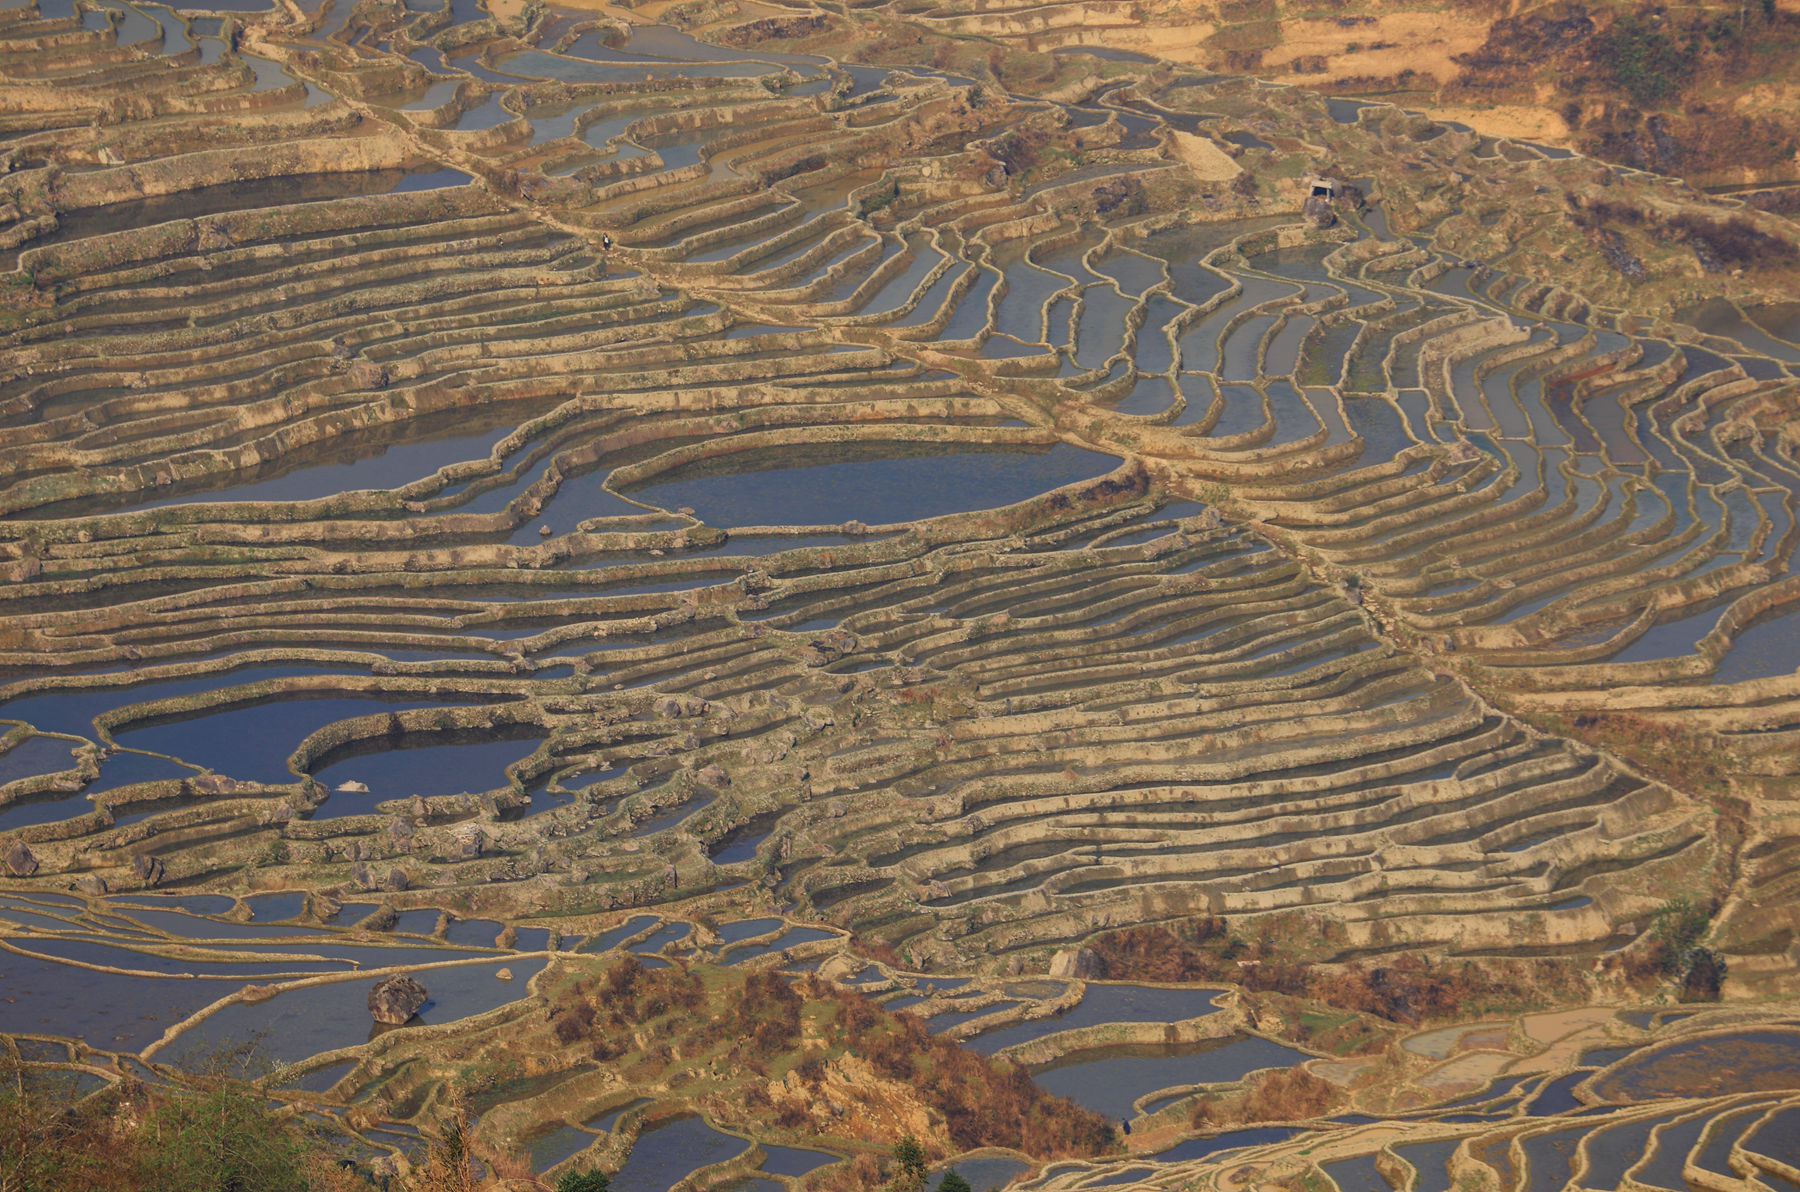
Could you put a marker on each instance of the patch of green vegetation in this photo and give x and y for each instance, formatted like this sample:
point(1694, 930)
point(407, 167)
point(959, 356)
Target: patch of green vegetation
point(1642, 57)
point(214, 1133)
point(1676, 930)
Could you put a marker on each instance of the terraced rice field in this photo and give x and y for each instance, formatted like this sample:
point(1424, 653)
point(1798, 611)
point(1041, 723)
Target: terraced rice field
point(486, 492)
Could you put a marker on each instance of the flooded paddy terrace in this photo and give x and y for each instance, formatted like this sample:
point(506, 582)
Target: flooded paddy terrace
point(556, 490)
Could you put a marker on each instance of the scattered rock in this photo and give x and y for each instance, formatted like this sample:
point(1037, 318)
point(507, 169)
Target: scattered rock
point(366, 374)
point(396, 999)
point(351, 788)
point(829, 647)
point(671, 707)
point(712, 774)
point(21, 861)
point(504, 974)
point(91, 884)
point(149, 870)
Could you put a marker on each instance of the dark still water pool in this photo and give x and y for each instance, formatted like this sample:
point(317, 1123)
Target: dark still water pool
point(801, 490)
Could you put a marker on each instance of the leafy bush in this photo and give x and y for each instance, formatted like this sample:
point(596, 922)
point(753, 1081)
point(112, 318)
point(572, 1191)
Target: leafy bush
point(1735, 241)
point(953, 1182)
point(1706, 972)
point(220, 1141)
point(909, 1161)
point(218, 1136)
point(1643, 59)
point(1674, 930)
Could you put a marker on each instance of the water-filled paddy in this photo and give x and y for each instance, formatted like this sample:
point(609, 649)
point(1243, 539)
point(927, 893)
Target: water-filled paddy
point(1768, 648)
point(789, 939)
point(304, 1022)
point(72, 710)
point(1744, 1061)
point(547, 1150)
point(1109, 1082)
point(1231, 1140)
point(105, 1010)
point(1357, 1175)
point(34, 756)
point(419, 764)
point(1122, 644)
point(1106, 1003)
point(793, 1161)
point(252, 741)
point(875, 491)
point(983, 1174)
point(668, 1153)
point(356, 468)
point(222, 198)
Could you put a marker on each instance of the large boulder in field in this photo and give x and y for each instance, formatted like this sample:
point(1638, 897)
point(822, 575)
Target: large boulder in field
point(20, 861)
point(396, 999)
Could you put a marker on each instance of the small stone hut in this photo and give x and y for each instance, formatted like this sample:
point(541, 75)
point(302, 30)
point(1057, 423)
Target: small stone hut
point(1320, 194)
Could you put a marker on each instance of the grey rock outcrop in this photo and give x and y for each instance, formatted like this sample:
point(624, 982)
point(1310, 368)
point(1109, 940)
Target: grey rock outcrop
point(396, 999)
point(20, 860)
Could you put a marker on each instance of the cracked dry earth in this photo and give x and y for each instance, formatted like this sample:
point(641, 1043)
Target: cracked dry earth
point(489, 493)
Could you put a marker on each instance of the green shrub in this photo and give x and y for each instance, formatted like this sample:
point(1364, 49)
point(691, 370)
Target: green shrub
point(909, 1163)
point(223, 1140)
point(218, 1137)
point(1674, 930)
point(1643, 58)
